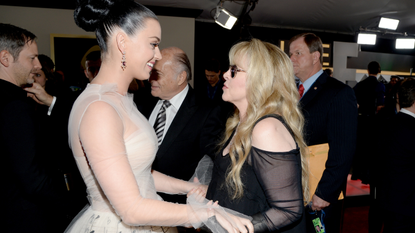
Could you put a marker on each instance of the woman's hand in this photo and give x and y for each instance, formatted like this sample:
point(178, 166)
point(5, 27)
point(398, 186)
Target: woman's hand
point(215, 217)
point(199, 189)
point(233, 223)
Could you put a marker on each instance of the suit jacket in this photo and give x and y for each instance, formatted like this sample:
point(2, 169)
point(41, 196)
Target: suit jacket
point(330, 112)
point(30, 193)
point(193, 133)
point(370, 93)
point(396, 183)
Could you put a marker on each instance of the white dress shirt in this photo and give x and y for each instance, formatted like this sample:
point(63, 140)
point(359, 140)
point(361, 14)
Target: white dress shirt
point(171, 111)
point(310, 81)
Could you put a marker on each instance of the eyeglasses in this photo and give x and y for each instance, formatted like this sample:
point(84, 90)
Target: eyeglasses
point(234, 70)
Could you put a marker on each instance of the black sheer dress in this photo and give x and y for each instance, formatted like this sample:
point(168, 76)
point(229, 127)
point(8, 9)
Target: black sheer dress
point(272, 188)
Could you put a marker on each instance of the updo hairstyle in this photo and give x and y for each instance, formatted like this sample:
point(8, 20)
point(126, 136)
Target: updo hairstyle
point(103, 16)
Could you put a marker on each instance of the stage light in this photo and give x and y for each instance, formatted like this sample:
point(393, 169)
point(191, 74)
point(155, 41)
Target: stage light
point(224, 18)
point(405, 43)
point(388, 23)
point(366, 38)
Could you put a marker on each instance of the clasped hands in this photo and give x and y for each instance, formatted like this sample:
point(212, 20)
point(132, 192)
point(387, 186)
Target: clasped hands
point(211, 212)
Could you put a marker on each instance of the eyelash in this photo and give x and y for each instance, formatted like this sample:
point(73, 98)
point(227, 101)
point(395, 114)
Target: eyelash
point(155, 45)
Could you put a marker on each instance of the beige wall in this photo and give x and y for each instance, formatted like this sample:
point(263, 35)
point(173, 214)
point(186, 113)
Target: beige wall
point(176, 31)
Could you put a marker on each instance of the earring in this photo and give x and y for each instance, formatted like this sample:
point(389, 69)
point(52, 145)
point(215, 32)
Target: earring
point(123, 61)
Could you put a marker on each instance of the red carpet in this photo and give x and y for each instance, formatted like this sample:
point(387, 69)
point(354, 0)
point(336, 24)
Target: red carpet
point(355, 219)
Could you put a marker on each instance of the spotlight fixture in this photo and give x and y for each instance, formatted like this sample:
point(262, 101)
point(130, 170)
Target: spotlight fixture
point(366, 38)
point(224, 18)
point(388, 23)
point(405, 43)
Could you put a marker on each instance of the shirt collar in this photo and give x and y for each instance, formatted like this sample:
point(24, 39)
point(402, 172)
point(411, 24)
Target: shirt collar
point(177, 100)
point(310, 81)
point(408, 112)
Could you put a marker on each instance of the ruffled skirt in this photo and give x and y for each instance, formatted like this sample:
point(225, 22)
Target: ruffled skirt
point(92, 221)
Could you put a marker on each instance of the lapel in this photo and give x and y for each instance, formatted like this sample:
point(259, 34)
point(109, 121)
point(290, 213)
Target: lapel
point(316, 88)
point(180, 121)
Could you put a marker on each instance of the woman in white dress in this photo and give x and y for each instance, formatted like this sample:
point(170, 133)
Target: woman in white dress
point(114, 145)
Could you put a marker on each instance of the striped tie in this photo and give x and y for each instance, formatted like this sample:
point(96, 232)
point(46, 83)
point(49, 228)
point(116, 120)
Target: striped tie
point(161, 121)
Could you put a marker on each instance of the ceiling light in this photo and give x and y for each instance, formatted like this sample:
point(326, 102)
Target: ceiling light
point(366, 38)
point(405, 43)
point(224, 18)
point(388, 23)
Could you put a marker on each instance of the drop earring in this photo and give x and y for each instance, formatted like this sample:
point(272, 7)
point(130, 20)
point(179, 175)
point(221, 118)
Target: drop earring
point(123, 61)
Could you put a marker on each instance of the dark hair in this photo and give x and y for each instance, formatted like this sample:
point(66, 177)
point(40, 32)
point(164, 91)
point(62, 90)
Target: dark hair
point(406, 93)
point(46, 62)
point(93, 56)
point(103, 16)
point(13, 39)
point(212, 65)
point(313, 43)
point(52, 81)
point(328, 71)
point(373, 67)
point(183, 64)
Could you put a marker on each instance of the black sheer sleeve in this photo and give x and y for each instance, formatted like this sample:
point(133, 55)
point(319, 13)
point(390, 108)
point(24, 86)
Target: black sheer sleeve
point(279, 174)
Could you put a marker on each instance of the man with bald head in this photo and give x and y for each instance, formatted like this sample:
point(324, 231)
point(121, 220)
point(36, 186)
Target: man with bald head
point(189, 130)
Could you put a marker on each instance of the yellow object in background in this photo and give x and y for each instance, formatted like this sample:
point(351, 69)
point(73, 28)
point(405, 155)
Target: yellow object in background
point(317, 161)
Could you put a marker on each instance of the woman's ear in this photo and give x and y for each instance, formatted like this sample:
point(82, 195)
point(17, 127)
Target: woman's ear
point(121, 41)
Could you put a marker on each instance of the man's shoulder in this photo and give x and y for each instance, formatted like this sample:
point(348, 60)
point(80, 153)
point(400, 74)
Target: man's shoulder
point(333, 85)
point(404, 118)
point(11, 93)
point(336, 83)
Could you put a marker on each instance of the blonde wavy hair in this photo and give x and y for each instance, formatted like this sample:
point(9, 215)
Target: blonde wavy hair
point(270, 89)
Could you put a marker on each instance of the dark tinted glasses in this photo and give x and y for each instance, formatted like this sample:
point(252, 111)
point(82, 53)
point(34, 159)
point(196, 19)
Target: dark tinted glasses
point(234, 70)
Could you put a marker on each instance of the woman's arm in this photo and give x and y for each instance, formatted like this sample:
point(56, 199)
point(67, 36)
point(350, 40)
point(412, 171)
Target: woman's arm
point(278, 174)
point(102, 138)
point(171, 185)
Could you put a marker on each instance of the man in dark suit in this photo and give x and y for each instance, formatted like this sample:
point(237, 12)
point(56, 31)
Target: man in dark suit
point(370, 96)
point(396, 183)
point(191, 130)
point(32, 198)
point(330, 110)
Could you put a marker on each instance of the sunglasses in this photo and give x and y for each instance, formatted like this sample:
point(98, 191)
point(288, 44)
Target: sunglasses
point(234, 70)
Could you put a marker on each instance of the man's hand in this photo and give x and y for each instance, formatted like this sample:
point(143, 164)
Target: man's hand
point(39, 94)
point(318, 203)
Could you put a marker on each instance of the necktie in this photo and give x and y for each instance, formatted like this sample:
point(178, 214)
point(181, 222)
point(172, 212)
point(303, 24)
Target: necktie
point(161, 121)
point(301, 90)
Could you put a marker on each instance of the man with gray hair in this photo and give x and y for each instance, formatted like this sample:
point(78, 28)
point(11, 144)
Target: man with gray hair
point(186, 130)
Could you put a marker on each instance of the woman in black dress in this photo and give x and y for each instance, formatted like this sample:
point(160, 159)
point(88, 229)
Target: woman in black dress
point(261, 170)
